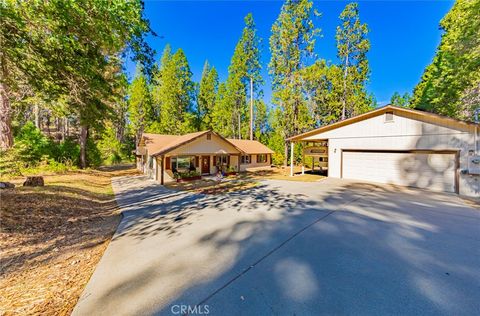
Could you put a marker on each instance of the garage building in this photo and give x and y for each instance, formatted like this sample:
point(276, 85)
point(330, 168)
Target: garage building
point(400, 146)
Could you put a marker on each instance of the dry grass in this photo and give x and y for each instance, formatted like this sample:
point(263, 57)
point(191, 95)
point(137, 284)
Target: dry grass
point(281, 173)
point(52, 238)
point(243, 181)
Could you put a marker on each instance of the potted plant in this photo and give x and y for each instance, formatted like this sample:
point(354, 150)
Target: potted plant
point(231, 171)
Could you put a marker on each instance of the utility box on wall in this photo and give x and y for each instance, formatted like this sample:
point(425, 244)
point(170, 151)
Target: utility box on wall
point(474, 164)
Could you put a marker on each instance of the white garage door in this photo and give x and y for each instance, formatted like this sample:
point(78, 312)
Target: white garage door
point(433, 171)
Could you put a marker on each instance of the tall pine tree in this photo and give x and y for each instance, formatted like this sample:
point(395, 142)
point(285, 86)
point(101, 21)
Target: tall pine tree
point(207, 96)
point(450, 85)
point(173, 95)
point(352, 48)
point(245, 65)
point(291, 44)
point(139, 104)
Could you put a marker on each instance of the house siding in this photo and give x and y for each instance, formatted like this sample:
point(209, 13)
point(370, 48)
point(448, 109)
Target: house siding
point(406, 132)
point(204, 146)
point(255, 164)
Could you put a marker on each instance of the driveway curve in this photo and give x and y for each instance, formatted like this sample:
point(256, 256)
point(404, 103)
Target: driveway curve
point(283, 248)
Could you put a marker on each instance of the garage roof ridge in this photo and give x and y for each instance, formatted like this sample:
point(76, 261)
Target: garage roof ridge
point(374, 113)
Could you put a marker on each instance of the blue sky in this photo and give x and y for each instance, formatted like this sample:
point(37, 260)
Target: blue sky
point(403, 35)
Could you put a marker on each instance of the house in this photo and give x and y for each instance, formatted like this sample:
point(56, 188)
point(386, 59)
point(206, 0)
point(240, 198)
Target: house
point(206, 152)
point(399, 146)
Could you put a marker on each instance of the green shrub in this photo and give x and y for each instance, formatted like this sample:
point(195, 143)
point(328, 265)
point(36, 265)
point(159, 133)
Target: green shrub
point(110, 147)
point(67, 152)
point(94, 156)
point(10, 165)
point(31, 146)
point(48, 166)
point(186, 174)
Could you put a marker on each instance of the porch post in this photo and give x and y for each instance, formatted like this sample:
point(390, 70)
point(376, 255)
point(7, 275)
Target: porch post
point(162, 162)
point(303, 161)
point(238, 162)
point(292, 145)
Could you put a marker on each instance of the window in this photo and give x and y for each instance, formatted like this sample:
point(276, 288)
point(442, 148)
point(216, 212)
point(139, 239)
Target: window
point(246, 159)
point(209, 136)
point(262, 158)
point(221, 160)
point(183, 163)
point(388, 116)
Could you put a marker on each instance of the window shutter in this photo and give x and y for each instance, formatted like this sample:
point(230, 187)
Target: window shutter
point(228, 160)
point(197, 161)
point(167, 163)
point(249, 158)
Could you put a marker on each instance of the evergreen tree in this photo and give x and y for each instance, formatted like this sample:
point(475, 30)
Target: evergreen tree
point(323, 88)
point(206, 96)
point(260, 124)
point(450, 85)
point(139, 104)
point(291, 44)
point(352, 47)
point(245, 65)
point(64, 49)
point(221, 113)
point(173, 94)
point(401, 100)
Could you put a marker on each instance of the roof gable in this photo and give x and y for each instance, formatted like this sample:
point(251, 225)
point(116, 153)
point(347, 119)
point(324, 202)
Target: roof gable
point(413, 114)
point(158, 144)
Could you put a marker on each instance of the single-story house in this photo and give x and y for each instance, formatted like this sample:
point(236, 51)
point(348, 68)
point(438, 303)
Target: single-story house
point(401, 146)
point(206, 152)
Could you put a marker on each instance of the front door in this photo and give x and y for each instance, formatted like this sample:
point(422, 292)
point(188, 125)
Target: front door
point(205, 164)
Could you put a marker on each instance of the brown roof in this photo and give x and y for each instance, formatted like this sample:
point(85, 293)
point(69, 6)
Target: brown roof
point(251, 146)
point(157, 143)
point(379, 111)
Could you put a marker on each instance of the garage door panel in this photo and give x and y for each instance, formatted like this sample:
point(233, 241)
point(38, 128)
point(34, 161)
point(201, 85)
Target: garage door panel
point(433, 171)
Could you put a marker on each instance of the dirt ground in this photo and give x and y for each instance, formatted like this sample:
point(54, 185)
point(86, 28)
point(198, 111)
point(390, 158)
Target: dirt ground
point(282, 173)
point(52, 237)
point(242, 181)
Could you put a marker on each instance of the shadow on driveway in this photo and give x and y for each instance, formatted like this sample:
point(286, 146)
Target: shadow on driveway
point(283, 248)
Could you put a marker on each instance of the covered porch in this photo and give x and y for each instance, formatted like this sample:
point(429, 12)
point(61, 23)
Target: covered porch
point(314, 154)
point(170, 167)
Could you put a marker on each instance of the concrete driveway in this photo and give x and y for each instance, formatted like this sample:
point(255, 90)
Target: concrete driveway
point(332, 247)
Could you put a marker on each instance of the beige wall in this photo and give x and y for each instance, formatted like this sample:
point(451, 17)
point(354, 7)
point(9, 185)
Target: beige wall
point(404, 133)
point(255, 164)
point(202, 145)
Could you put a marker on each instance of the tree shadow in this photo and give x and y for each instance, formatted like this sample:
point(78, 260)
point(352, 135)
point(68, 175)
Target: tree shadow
point(317, 248)
point(423, 171)
point(39, 223)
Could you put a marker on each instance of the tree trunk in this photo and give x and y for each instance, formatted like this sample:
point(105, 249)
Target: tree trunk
point(6, 136)
point(36, 109)
point(48, 123)
point(285, 160)
point(65, 128)
point(83, 146)
point(344, 103)
point(239, 127)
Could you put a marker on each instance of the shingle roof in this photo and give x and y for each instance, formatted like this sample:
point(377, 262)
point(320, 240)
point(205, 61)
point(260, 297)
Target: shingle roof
point(251, 146)
point(157, 144)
